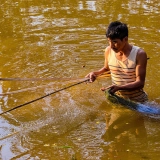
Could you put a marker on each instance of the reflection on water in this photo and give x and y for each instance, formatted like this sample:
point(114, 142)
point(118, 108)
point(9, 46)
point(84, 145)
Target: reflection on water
point(66, 39)
point(123, 131)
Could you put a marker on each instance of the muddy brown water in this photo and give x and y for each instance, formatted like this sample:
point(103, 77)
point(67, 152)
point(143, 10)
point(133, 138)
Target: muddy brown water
point(66, 40)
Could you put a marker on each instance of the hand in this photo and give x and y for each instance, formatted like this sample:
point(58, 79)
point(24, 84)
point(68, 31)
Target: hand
point(91, 76)
point(113, 88)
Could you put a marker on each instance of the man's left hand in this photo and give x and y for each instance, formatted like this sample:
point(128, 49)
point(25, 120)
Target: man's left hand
point(113, 88)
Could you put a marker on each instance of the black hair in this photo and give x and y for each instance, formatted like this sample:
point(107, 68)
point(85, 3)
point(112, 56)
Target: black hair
point(117, 30)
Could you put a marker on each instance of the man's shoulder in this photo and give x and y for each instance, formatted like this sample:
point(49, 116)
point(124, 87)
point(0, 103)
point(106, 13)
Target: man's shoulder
point(139, 50)
point(141, 54)
point(107, 49)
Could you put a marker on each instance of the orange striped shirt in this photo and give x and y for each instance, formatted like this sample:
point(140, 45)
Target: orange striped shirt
point(124, 72)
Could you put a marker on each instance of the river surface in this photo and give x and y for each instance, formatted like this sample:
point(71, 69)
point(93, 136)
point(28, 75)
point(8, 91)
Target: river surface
point(64, 40)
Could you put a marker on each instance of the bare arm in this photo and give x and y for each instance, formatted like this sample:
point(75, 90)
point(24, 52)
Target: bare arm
point(141, 64)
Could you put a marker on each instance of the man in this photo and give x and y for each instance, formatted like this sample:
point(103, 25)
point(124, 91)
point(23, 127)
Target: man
point(127, 64)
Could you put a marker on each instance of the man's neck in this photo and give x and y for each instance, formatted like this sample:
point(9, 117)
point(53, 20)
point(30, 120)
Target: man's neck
point(126, 50)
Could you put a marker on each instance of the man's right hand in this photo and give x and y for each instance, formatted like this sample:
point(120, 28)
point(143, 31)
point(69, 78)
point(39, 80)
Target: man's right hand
point(91, 76)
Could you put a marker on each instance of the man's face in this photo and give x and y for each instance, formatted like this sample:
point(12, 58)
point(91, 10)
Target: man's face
point(117, 44)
